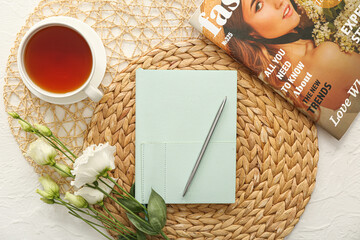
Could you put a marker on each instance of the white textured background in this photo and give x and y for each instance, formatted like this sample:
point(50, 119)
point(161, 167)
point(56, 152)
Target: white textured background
point(333, 212)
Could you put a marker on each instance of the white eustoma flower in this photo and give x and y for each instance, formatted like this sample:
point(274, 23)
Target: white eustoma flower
point(93, 163)
point(94, 196)
point(41, 152)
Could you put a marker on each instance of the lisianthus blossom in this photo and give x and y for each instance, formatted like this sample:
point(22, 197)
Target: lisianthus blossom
point(94, 196)
point(41, 152)
point(95, 162)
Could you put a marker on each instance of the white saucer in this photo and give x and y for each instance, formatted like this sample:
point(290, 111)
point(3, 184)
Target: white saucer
point(99, 69)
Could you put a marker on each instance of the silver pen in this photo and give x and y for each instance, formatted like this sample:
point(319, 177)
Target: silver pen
point(207, 140)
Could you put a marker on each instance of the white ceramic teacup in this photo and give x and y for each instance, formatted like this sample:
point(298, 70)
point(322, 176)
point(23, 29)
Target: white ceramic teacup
point(90, 87)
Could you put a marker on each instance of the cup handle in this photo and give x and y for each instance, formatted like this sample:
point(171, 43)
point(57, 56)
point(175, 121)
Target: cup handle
point(93, 93)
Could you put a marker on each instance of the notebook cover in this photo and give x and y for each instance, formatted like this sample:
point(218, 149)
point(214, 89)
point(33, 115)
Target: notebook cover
point(174, 112)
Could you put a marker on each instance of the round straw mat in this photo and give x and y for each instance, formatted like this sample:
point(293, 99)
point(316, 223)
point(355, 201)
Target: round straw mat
point(277, 150)
point(128, 29)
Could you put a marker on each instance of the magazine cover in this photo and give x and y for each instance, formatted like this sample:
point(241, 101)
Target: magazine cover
point(308, 51)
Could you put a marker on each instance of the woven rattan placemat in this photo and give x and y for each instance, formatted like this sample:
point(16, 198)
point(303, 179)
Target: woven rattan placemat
point(128, 29)
point(277, 150)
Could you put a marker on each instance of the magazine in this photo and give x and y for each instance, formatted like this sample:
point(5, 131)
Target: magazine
point(308, 51)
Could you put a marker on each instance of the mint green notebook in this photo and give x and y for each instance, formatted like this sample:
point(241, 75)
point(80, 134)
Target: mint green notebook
point(174, 112)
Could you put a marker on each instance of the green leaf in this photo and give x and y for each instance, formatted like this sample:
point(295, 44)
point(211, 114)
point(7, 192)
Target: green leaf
point(140, 235)
point(135, 207)
point(140, 225)
point(342, 5)
point(328, 14)
point(132, 190)
point(156, 211)
point(331, 26)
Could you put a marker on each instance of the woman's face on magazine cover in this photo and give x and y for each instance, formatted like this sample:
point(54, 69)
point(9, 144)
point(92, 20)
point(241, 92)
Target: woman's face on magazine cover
point(270, 18)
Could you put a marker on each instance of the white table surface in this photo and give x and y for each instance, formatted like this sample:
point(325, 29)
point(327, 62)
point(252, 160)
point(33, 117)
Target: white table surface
point(332, 213)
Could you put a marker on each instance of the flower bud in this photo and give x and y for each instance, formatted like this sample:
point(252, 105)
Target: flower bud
point(44, 194)
point(14, 115)
point(43, 129)
point(63, 169)
point(26, 127)
point(51, 189)
point(41, 152)
point(48, 201)
point(76, 200)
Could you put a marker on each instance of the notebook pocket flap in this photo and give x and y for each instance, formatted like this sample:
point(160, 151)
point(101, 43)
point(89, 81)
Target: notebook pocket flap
point(166, 167)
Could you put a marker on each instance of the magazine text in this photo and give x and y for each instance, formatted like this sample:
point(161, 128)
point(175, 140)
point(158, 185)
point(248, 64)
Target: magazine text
point(353, 91)
point(350, 28)
point(219, 14)
point(319, 97)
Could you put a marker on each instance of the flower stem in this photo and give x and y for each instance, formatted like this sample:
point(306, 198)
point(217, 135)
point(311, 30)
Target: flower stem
point(91, 225)
point(114, 217)
point(113, 221)
point(38, 133)
point(62, 145)
point(73, 208)
point(122, 189)
point(119, 194)
point(112, 228)
point(113, 190)
point(52, 144)
point(111, 225)
point(164, 235)
point(56, 147)
point(116, 201)
point(122, 195)
point(72, 212)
